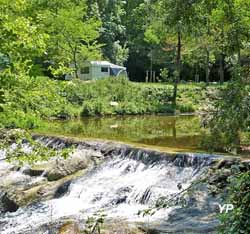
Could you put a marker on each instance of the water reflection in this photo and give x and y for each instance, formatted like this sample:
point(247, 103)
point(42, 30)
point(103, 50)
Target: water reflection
point(164, 131)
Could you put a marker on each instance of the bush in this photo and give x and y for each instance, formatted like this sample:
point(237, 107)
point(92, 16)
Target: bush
point(166, 109)
point(95, 107)
point(165, 75)
point(237, 221)
point(36, 98)
point(19, 119)
point(186, 108)
point(227, 114)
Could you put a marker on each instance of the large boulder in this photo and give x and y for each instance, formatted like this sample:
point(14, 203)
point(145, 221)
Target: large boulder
point(23, 196)
point(80, 159)
point(44, 181)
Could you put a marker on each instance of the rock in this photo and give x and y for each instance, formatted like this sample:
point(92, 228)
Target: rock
point(23, 196)
point(7, 205)
point(63, 189)
point(33, 172)
point(70, 228)
point(114, 104)
point(62, 167)
point(226, 163)
point(55, 189)
point(192, 220)
point(120, 227)
point(26, 186)
point(219, 179)
point(246, 164)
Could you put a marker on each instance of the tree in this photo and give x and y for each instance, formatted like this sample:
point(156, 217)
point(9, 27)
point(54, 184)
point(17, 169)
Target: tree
point(229, 115)
point(113, 32)
point(200, 50)
point(176, 18)
point(73, 36)
point(230, 29)
point(21, 39)
point(137, 20)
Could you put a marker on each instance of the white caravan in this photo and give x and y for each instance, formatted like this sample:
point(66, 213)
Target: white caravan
point(94, 70)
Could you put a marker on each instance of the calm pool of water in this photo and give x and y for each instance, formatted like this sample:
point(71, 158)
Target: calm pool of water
point(175, 132)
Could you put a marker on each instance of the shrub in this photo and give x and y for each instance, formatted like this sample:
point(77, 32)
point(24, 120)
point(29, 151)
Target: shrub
point(186, 108)
point(36, 98)
point(95, 107)
point(227, 113)
point(166, 109)
point(165, 75)
point(237, 221)
point(19, 119)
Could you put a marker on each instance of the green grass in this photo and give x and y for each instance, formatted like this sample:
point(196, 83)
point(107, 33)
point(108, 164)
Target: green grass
point(191, 96)
point(34, 99)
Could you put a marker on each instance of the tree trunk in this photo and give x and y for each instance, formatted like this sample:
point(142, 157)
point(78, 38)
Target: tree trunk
point(197, 77)
point(221, 69)
point(178, 70)
point(75, 66)
point(239, 56)
point(237, 143)
point(207, 66)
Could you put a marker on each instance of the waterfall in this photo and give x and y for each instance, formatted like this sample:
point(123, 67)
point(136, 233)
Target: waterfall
point(127, 181)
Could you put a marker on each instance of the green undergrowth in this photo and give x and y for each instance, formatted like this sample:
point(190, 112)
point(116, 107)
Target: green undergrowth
point(31, 100)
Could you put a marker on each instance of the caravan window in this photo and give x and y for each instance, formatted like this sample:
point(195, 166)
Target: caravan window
point(105, 69)
point(85, 70)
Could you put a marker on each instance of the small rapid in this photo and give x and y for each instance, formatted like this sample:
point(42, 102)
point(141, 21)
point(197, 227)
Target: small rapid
point(126, 182)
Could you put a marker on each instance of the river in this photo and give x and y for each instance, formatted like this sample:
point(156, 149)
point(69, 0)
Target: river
point(170, 133)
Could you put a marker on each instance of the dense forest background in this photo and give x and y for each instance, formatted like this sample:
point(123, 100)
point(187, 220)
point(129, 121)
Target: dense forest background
point(142, 35)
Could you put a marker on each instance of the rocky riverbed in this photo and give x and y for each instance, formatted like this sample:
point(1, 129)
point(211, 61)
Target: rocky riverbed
point(59, 195)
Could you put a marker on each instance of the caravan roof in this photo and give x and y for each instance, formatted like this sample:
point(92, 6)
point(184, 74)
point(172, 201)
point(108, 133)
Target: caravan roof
point(106, 63)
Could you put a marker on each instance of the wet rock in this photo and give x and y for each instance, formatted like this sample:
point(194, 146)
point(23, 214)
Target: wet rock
point(119, 200)
point(7, 205)
point(226, 163)
point(152, 231)
point(23, 196)
point(219, 177)
point(63, 167)
point(187, 220)
point(43, 181)
point(57, 188)
point(63, 189)
point(33, 172)
point(121, 195)
point(70, 228)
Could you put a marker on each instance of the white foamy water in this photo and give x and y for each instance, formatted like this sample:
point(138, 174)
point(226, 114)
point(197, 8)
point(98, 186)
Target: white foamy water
point(118, 187)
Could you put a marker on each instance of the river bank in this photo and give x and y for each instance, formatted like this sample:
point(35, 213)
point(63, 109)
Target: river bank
point(47, 99)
